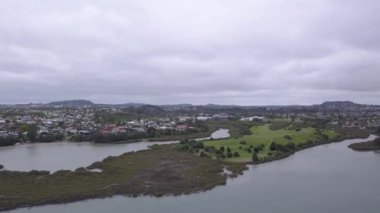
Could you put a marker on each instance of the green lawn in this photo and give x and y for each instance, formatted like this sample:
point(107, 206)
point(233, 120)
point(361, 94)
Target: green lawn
point(263, 135)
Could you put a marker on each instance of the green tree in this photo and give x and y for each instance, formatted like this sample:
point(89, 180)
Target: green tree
point(229, 155)
point(256, 149)
point(272, 146)
point(228, 149)
point(32, 132)
point(291, 146)
point(255, 158)
point(377, 141)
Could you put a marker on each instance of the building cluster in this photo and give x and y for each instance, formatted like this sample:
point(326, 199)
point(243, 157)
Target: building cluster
point(144, 125)
point(345, 119)
point(17, 122)
point(82, 121)
point(73, 121)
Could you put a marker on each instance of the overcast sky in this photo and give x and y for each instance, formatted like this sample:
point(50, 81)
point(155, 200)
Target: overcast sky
point(248, 52)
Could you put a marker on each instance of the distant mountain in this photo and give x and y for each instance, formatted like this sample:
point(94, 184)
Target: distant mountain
point(132, 104)
point(72, 103)
point(159, 109)
point(340, 104)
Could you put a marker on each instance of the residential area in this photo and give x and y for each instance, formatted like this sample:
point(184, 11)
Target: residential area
point(46, 123)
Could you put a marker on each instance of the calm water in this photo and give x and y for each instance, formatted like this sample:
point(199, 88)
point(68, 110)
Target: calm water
point(329, 178)
point(68, 155)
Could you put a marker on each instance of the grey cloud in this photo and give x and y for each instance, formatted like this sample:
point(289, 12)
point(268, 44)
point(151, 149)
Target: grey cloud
point(230, 52)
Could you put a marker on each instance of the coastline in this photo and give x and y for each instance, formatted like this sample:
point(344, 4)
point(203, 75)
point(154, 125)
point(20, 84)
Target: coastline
point(236, 169)
point(366, 146)
point(160, 171)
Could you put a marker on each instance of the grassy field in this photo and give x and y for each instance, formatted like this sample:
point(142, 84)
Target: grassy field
point(162, 170)
point(263, 136)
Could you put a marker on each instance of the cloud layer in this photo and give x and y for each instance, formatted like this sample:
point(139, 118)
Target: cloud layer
point(200, 51)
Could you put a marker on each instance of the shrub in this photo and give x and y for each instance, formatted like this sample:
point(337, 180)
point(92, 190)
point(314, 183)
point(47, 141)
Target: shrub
point(156, 146)
point(261, 147)
point(273, 146)
point(255, 158)
point(281, 148)
point(228, 149)
point(236, 154)
point(288, 137)
point(243, 142)
point(8, 141)
point(291, 146)
point(210, 149)
point(377, 141)
point(203, 155)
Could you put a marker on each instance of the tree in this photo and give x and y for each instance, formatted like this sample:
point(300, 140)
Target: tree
point(222, 149)
point(255, 158)
point(256, 149)
point(273, 146)
point(282, 148)
point(229, 155)
point(32, 132)
point(228, 149)
point(291, 146)
point(377, 141)
point(236, 154)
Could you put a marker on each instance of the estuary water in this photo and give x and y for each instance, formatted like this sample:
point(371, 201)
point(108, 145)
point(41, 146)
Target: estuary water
point(328, 178)
point(68, 155)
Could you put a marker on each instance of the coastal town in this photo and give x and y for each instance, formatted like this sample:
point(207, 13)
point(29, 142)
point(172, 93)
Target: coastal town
point(63, 121)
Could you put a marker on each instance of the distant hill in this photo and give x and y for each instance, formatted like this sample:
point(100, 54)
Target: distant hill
point(209, 108)
point(340, 104)
point(72, 103)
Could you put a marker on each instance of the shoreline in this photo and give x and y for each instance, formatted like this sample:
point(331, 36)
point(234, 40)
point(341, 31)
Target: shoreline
point(236, 169)
point(372, 145)
point(170, 138)
point(160, 171)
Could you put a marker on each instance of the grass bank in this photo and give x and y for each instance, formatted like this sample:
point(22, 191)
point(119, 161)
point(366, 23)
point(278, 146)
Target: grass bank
point(274, 141)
